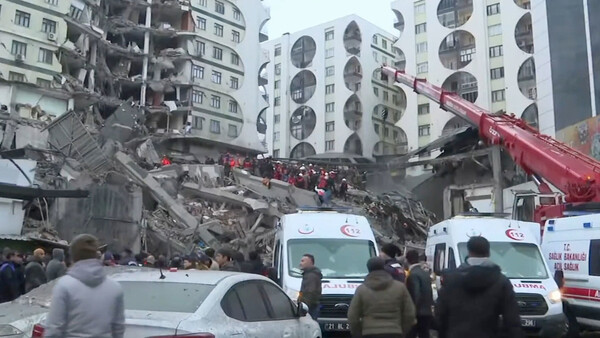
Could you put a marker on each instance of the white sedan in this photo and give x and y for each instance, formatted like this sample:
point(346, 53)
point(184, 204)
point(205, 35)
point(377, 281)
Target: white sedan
point(198, 304)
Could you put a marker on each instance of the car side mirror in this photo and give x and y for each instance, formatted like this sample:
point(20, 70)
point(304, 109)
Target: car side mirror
point(302, 309)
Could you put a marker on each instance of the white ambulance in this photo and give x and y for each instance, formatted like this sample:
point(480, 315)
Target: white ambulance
point(514, 246)
point(572, 245)
point(341, 244)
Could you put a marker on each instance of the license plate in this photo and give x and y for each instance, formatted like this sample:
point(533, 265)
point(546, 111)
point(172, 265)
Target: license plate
point(527, 322)
point(336, 327)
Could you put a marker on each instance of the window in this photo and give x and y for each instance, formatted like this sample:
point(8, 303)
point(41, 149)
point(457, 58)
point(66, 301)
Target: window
point(215, 126)
point(423, 109)
point(19, 48)
point(422, 67)
point(234, 83)
point(215, 101)
point(197, 96)
point(197, 72)
point(43, 83)
point(277, 84)
point(235, 36)
point(439, 258)
point(277, 51)
point(329, 145)
point(495, 30)
point(425, 130)
point(277, 101)
point(217, 53)
point(237, 14)
point(278, 69)
point(376, 91)
point(330, 126)
point(203, 3)
point(466, 55)
point(376, 128)
point(451, 259)
point(386, 95)
point(219, 7)
point(497, 73)
point(384, 59)
point(421, 28)
point(233, 107)
point(201, 23)
point(218, 30)
point(493, 9)
point(330, 89)
point(216, 77)
point(375, 39)
point(330, 71)
point(75, 12)
point(48, 26)
point(329, 35)
point(200, 48)
point(12, 76)
point(250, 295)
point(329, 52)
point(235, 59)
point(276, 136)
point(166, 296)
point(375, 56)
point(52, 2)
point(384, 43)
point(496, 51)
point(395, 99)
point(422, 47)
point(595, 257)
point(420, 9)
point(232, 131)
point(45, 56)
point(276, 153)
point(386, 132)
point(197, 122)
point(330, 107)
point(22, 18)
point(396, 134)
point(498, 95)
point(276, 118)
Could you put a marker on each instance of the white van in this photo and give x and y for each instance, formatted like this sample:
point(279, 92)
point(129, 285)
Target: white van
point(341, 244)
point(572, 245)
point(514, 246)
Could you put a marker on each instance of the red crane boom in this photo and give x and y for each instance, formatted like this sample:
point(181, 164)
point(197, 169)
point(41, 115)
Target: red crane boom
point(572, 172)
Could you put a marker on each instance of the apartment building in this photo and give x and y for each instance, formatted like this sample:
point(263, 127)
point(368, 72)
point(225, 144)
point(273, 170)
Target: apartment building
point(31, 34)
point(481, 50)
point(568, 70)
point(326, 94)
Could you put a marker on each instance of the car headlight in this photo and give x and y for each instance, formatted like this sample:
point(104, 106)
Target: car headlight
point(555, 296)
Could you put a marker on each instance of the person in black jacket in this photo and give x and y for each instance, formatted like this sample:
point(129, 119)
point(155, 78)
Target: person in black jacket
point(256, 263)
point(389, 252)
point(310, 289)
point(35, 275)
point(474, 296)
point(418, 283)
point(11, 282)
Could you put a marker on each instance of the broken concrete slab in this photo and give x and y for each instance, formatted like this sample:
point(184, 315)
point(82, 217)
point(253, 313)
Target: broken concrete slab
point(31, 136)
point(279, 190)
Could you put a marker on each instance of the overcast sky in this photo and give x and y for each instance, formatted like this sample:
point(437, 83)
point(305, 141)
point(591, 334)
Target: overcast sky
point(288, 16)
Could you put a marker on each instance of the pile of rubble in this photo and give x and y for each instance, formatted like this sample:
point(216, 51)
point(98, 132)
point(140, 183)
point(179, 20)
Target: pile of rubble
point(136, 201)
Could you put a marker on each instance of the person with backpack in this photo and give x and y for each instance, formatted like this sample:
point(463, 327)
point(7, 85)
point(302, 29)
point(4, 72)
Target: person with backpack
point(10, 281)
point(388, 253)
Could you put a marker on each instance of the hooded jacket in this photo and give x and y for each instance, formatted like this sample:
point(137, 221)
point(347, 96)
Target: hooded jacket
point(310, 289)
point(86, 304)
point(56, 267)
point(34, 274)
point(381, 305)
point(418, 284)
point(472, 299)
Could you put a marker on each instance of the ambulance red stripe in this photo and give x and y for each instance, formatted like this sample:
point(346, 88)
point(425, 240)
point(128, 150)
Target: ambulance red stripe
point(581, 293)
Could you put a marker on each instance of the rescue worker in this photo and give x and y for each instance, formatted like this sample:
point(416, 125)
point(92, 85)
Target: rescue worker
point(344, 189)
point(475, 296)
point(381, 306)
point(310, 289)
point(388, 253)
point(418, 283)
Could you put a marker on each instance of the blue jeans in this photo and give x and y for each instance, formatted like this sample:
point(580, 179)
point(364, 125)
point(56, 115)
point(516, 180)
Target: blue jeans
point(314, 311)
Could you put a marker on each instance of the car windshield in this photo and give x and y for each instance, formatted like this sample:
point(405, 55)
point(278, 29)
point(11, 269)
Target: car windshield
point(517, 260)
point(165, 297)
point(336, 258)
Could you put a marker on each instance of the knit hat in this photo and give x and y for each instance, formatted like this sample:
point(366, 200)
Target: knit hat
point(391, 250)
point(84, 247)
point(375, 264)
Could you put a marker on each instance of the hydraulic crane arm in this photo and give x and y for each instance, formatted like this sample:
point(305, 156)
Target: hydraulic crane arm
point(574, 173)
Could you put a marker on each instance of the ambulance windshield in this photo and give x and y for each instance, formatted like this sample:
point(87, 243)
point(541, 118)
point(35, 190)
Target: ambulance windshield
point(517, 260)
point(336, 258)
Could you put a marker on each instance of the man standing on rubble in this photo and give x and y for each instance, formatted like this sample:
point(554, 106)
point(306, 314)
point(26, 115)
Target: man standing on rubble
point(224, 258)
point(389, 252)
point(310, 289)
point(85, 303)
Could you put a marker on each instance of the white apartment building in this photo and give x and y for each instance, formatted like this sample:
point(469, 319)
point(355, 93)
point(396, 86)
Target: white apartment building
point(31, 33)
point(326, 94)
point(482, 50)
